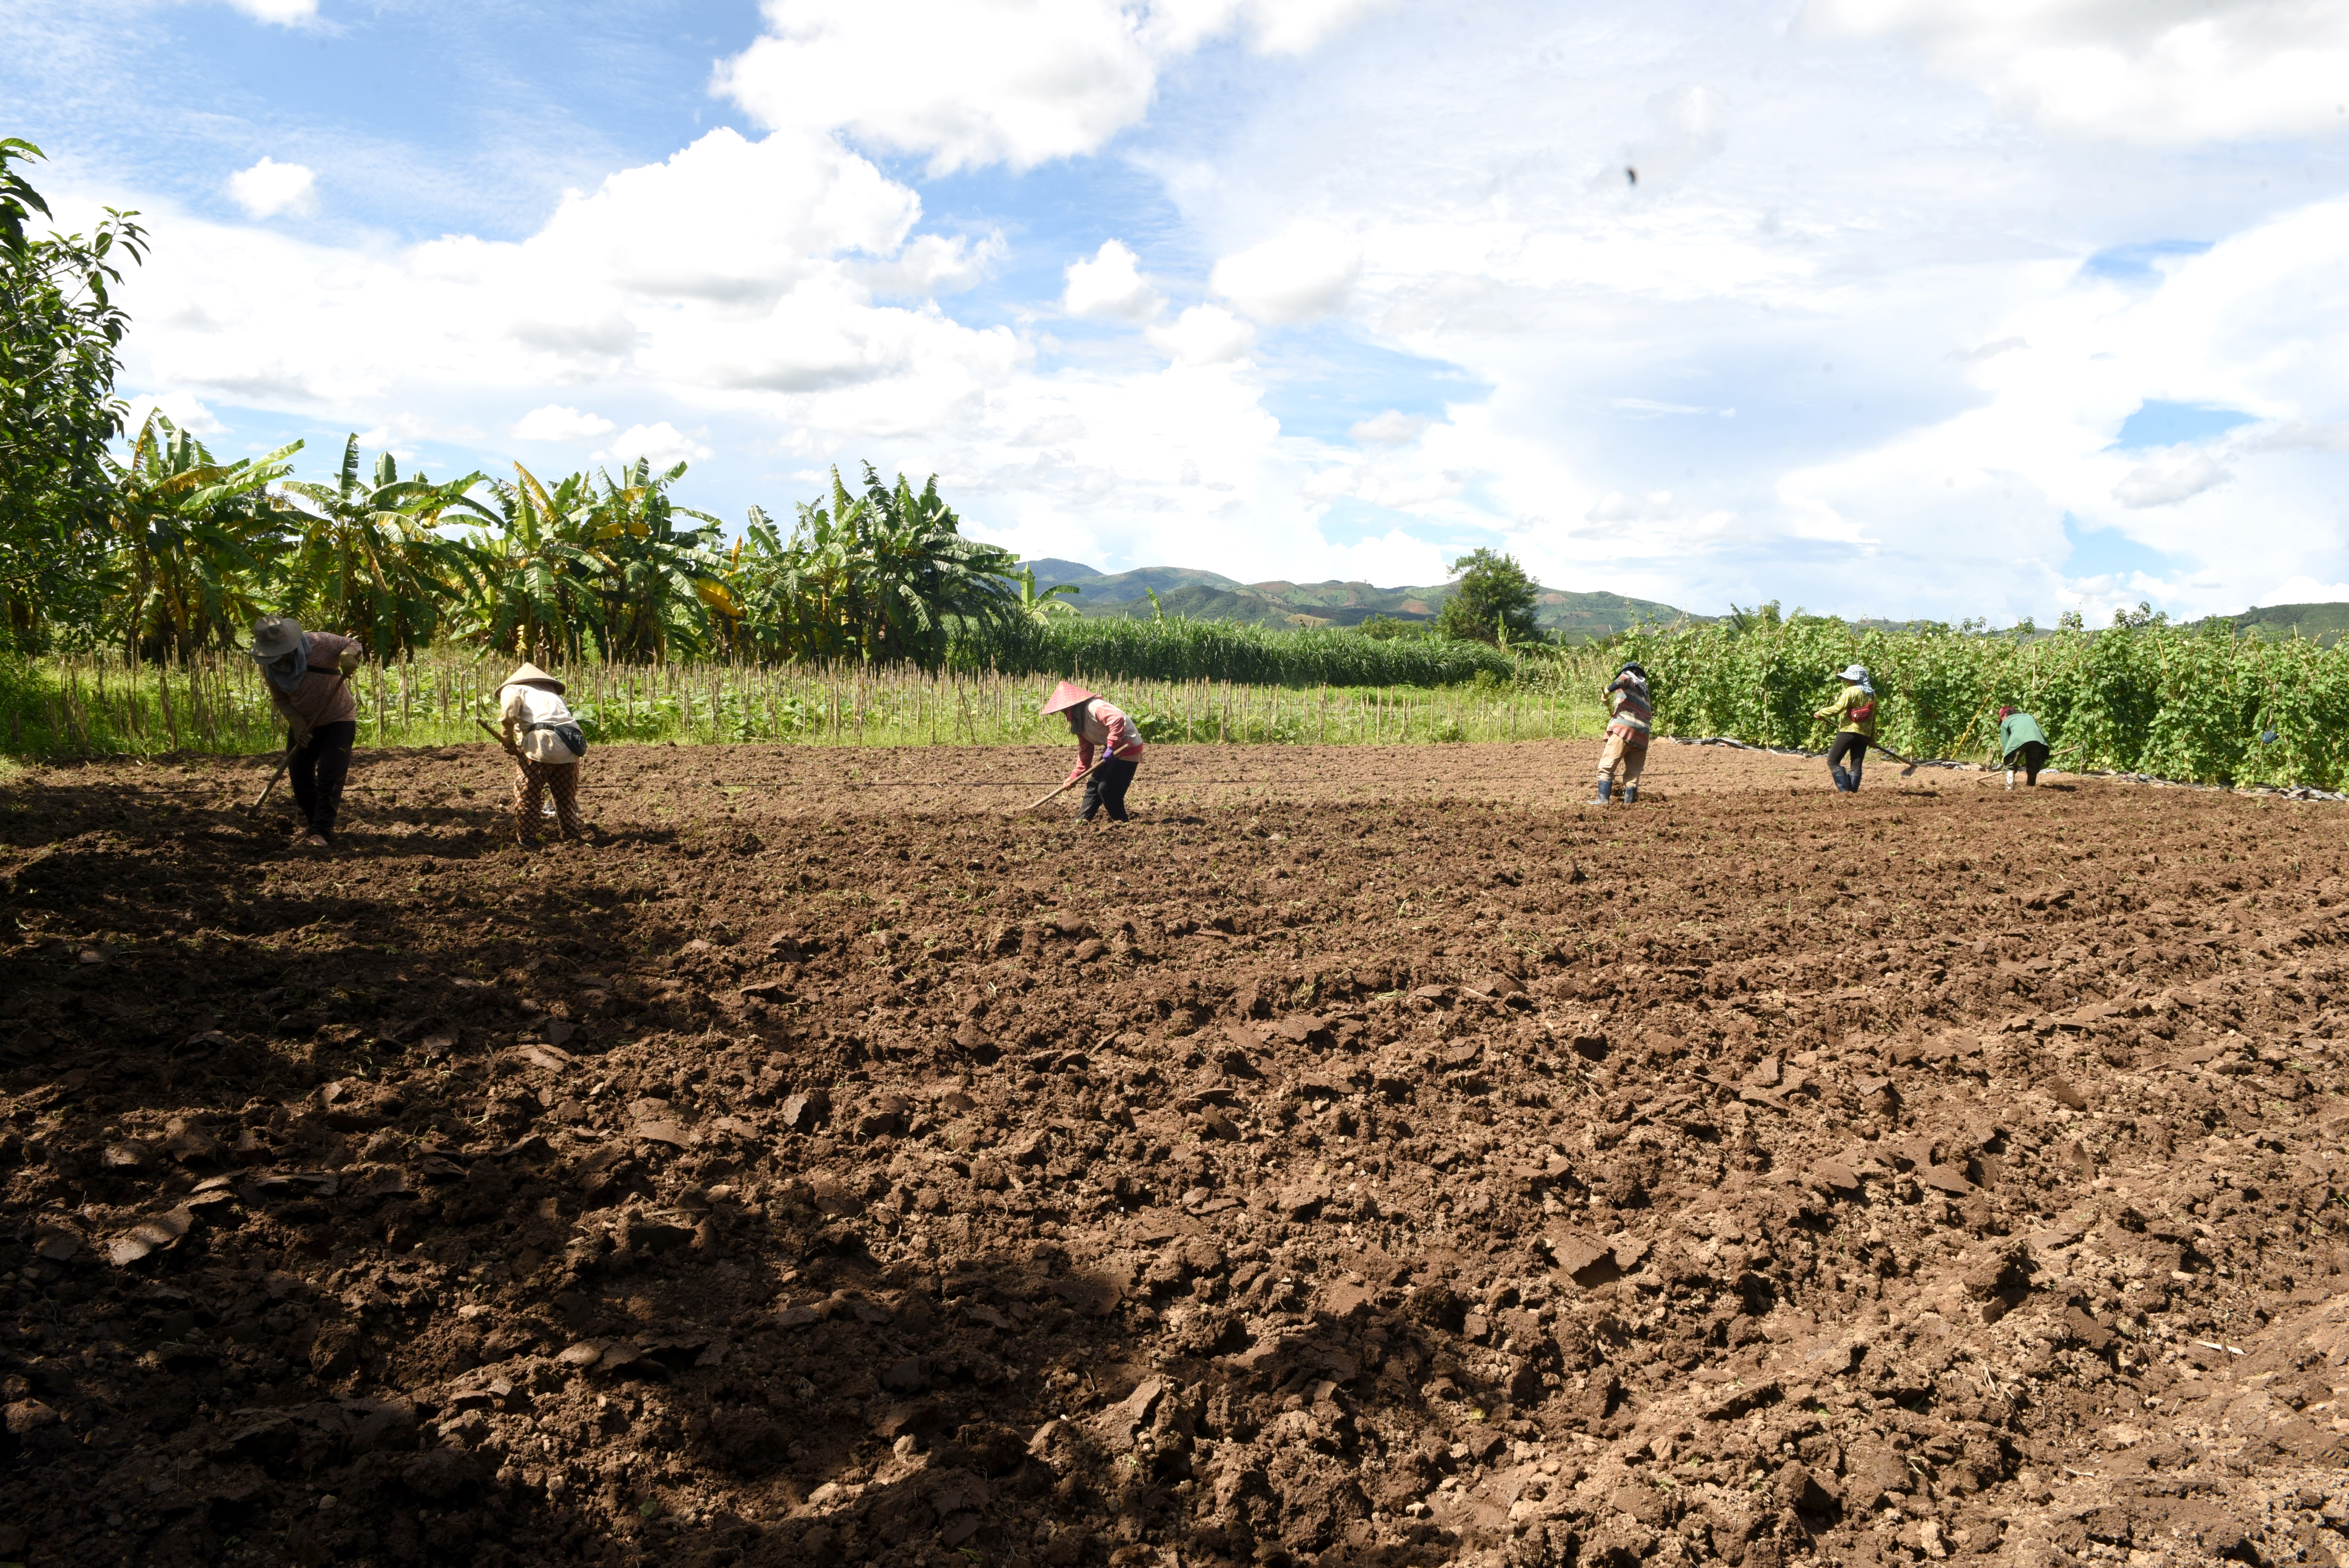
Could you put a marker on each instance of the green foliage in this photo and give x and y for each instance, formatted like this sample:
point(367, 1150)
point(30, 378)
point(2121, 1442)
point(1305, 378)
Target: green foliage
point(1222, 650)
point(883, 576)
point(1493, 602)
point(2143, 696)
point(60, 335)
point(366, 560)
point(1385, 627)
point(190, 543)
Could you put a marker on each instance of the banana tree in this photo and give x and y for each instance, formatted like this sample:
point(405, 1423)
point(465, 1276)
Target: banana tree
point(661, 587)
point(190, 541)
point(537, 568)
point(1043, 606)
point(922, 575)
point(368, 559)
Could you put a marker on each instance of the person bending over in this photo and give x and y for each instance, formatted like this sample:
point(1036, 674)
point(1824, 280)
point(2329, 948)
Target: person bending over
point(1630, 718)
point(547, 746)
point(1099, 726)
point(1856, 706)
point(2022, 744)
point(308, 676)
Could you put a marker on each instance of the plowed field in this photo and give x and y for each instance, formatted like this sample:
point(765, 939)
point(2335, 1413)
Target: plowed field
point(1361, 1158)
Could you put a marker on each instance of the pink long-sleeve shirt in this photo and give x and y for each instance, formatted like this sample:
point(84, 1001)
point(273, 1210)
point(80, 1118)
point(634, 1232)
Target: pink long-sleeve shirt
point(1101, 725)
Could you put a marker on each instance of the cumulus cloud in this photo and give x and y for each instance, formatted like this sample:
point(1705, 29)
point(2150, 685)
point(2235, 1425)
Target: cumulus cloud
point(269, 187)
point(2176, 73)
point(1204, 335)
point(554, 422)
point(1304, 272)
point(662, 445)
point(1392, 428)
point(1020, 82)
point(1111, 285)
point(2166, 484)
point(182, 408)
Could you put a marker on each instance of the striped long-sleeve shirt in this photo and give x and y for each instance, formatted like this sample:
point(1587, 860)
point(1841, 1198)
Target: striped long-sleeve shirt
point(1627, 702)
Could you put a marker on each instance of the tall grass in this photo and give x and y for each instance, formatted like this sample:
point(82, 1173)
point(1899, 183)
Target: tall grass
point(1187, 649)
point(96, 705)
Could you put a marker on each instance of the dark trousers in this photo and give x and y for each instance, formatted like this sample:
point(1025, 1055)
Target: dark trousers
point(1105, 789)
point(1854, 746)
point(2031, 756)
point(317, 772)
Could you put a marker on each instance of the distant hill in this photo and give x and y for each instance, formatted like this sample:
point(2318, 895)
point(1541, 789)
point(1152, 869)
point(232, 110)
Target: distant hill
point(2320, 623)
point(1210, 596)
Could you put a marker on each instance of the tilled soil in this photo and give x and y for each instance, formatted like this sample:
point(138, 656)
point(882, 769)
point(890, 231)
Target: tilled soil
point(1316, 1170)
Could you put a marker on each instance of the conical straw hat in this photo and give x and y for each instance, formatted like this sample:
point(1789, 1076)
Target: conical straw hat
point(1068, 694)
point(530, 675)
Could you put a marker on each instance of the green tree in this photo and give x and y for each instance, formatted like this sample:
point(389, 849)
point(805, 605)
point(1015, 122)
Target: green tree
point(1042, 606)
point(60, 336)
point(1492, 602)
point(885, 575)
point(536, 569)
point(369, 560)
point(660, 588)
point(191, 542)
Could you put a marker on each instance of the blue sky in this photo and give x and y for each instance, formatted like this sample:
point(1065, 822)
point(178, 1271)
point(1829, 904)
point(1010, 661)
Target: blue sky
point(1915, 307)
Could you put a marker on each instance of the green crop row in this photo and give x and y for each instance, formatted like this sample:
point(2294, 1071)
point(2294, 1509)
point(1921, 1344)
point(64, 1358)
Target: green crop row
point(2143, 696)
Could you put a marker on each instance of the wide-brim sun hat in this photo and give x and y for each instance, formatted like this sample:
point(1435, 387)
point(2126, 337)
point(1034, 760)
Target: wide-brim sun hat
point(274, 637)
point(1855, 673)
point(530, 675)
point(1067, 694)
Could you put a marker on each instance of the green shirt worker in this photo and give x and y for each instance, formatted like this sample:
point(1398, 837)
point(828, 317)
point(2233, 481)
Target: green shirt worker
point(2022, 744)
point(1856, 707)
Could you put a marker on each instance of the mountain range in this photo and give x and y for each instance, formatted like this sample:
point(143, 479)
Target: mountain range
point(1211, 597)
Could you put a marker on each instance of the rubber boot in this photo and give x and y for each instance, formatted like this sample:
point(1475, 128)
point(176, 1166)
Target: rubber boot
point(2010, 778)
point(1842, 781)
point(1631, 794)
point(1606, 787)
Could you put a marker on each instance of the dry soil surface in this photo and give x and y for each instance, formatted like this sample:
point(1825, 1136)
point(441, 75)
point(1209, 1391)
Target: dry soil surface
point(1362, 1157)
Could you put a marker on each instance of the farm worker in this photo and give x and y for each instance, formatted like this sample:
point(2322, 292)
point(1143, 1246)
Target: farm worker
point(1856, 706)
point(307, 675)
point(546, 746)
point(1099, 726)
point(2022, 744)
point(1630, 716)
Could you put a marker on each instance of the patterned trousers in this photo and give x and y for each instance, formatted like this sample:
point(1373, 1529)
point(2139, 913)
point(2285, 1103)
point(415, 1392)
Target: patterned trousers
point(533, 783)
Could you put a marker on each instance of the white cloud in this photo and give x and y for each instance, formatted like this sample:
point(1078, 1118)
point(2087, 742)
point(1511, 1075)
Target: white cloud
point(1204, 335)
point(2166, 484)
point(1306, 271)
point(184, 410)
point(1687, 124)
point(269, 187)
point(2173, 73)
point(285, 12)
point(1020, 82)
point(663, 444)
point(1110, 285)
point(554, 422)
point(1392, 428)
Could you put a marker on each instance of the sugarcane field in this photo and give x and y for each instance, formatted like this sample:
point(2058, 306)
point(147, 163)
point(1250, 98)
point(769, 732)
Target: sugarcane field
point(1360, 1155)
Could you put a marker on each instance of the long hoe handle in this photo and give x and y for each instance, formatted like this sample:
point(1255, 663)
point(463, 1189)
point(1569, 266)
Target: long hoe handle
point(1063, 790)
point(499, 736)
